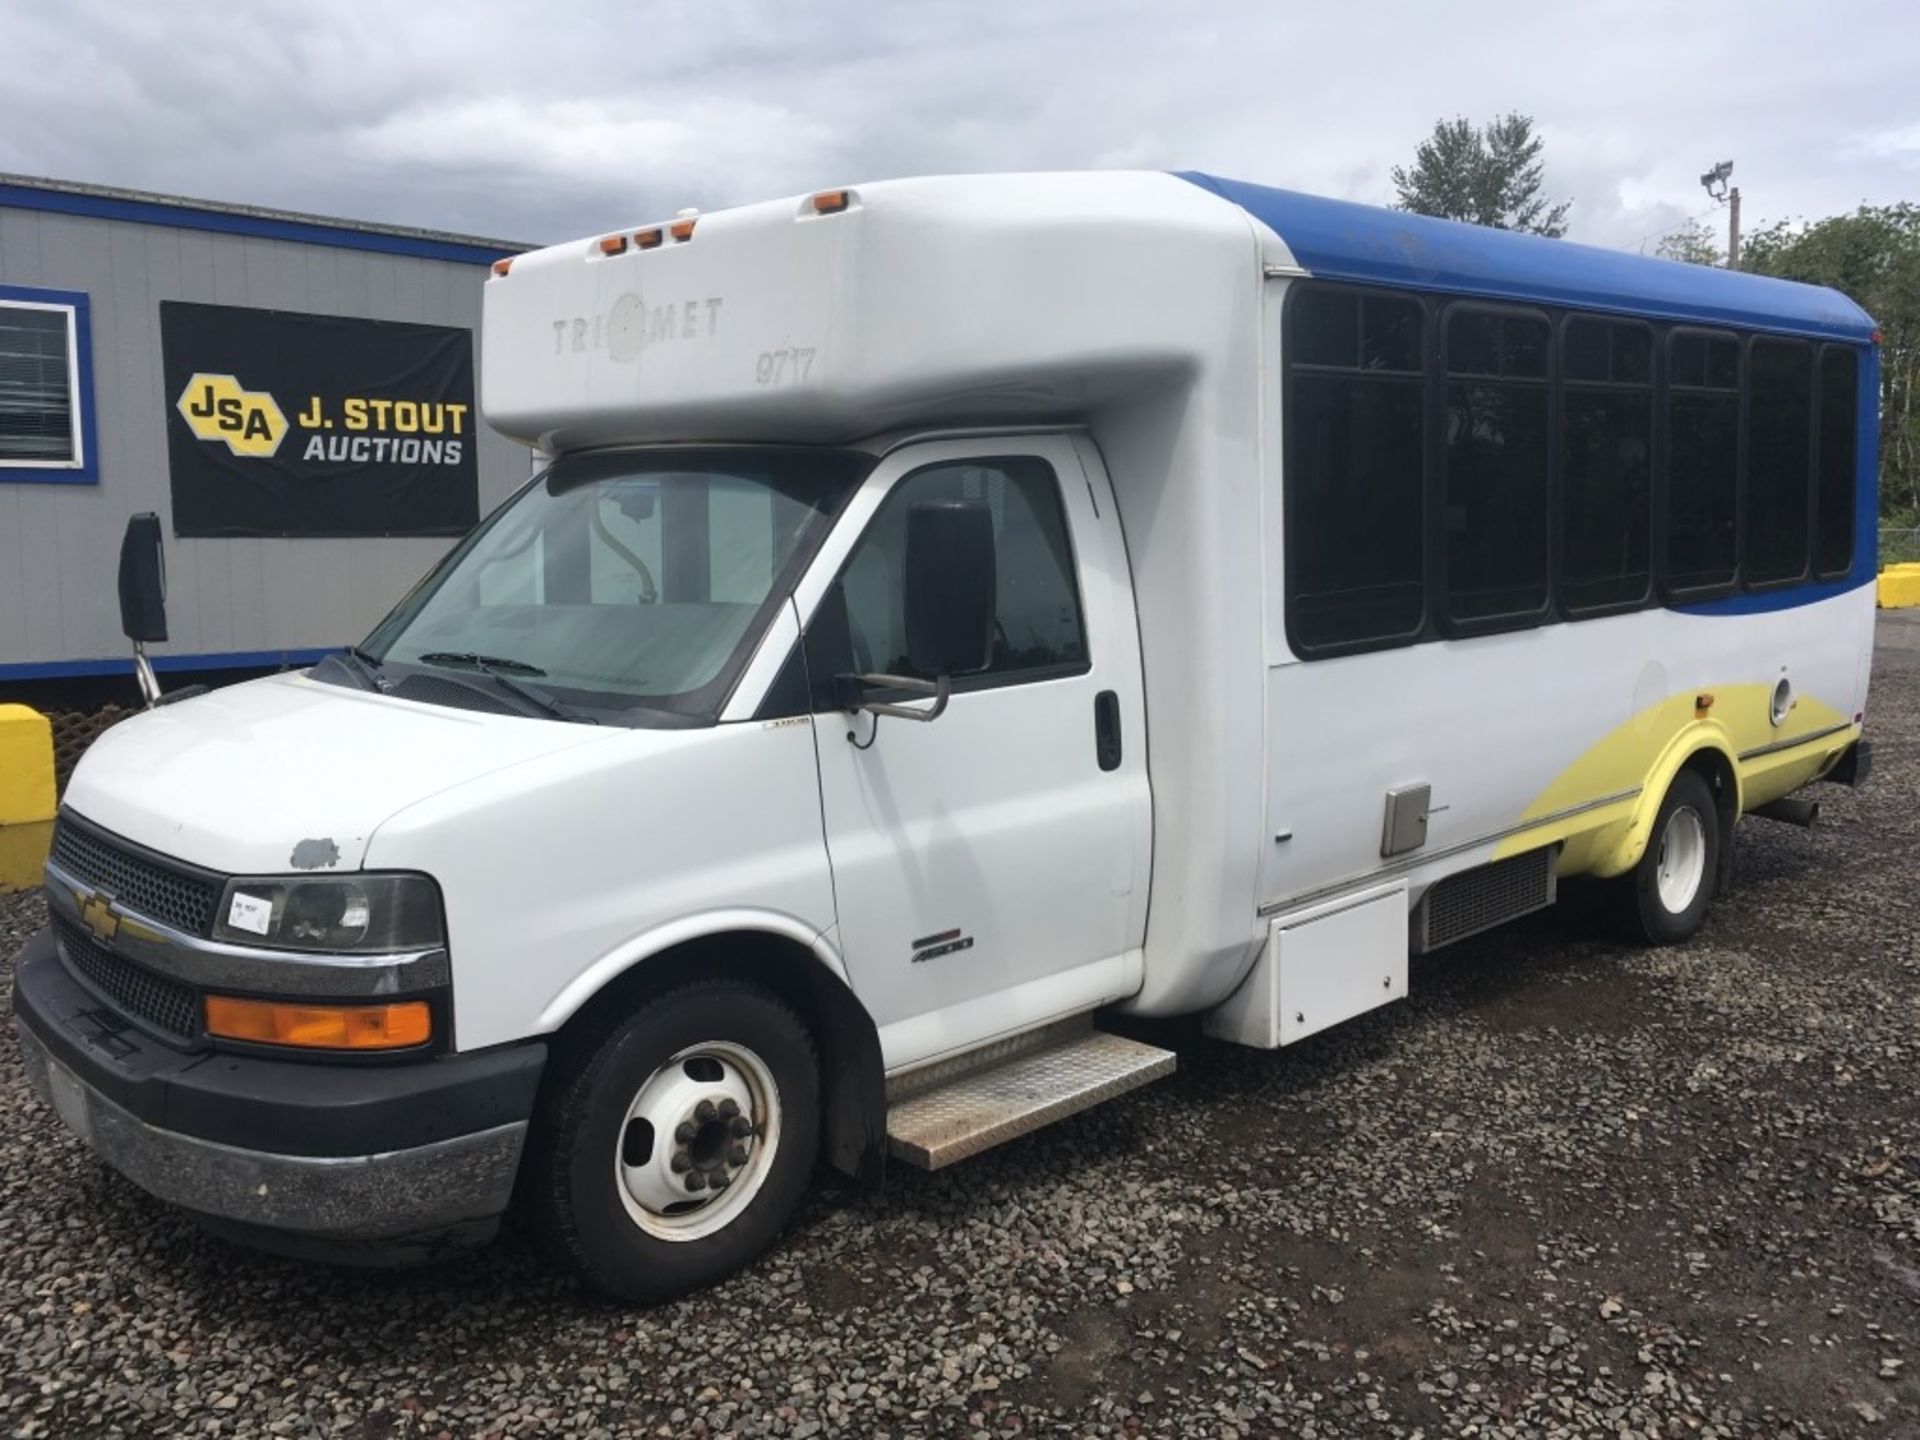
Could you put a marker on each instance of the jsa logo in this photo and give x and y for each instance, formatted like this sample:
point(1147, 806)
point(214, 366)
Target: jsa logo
point(216, 408)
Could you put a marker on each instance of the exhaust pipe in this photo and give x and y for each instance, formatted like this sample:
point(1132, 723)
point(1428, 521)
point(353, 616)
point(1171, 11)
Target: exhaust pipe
point(1789, 811)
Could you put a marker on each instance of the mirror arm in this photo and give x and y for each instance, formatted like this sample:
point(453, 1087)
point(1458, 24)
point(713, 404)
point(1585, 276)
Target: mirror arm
point(143, 673)
point(940, 691)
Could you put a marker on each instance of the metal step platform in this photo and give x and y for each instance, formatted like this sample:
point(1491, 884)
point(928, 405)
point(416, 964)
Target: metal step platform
point(960, 1107)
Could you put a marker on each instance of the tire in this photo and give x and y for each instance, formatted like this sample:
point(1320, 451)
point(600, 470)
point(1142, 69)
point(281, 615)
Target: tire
point(1664, 901)
point(640, 1115)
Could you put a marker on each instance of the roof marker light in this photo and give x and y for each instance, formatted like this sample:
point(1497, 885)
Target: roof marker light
point(648, 239)
point(681, 229)
point(500, 267)
point(613, 244)
point(832, 202)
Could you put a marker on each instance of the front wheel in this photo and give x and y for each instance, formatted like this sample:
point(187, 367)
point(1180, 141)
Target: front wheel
point(674, 1150)
point(1665, 898)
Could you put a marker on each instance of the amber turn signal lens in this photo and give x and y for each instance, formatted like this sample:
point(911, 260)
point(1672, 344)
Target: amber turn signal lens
point(831, 202)
point(321, 1027)
point(500, 267)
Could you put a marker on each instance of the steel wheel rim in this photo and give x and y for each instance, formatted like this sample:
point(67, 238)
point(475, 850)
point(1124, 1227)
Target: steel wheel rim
point(1682, 864)
point(698, 1141)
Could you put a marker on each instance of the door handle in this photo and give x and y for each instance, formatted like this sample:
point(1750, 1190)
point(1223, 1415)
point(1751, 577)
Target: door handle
point(1106, 729)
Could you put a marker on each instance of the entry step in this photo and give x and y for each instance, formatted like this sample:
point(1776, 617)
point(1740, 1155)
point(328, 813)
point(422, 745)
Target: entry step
point(1013, 1094)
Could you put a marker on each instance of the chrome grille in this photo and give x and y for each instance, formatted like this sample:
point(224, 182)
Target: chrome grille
point(170, 893)
point(161, 1002)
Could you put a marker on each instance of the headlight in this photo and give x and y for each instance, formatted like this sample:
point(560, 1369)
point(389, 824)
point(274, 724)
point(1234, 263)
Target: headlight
point(375, 913)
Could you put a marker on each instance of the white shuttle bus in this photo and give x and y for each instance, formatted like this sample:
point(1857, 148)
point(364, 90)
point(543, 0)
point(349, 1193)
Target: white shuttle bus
point(957, 610)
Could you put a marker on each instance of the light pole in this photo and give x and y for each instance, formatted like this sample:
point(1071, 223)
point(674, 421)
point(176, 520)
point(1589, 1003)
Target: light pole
point(1715, 181)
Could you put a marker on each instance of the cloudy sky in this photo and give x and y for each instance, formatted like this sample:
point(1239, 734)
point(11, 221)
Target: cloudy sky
point(543, 121)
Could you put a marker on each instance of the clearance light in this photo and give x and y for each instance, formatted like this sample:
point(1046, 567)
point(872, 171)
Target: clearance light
point(321, 1027)
point(832, 202)
point(613, 244)
point(1877, 337)
point(500, 267)
point(1702, 703)
point(648, 239)
point(681, 229)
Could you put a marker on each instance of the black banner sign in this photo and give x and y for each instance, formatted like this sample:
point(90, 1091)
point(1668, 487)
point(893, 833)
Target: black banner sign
point(286, 424)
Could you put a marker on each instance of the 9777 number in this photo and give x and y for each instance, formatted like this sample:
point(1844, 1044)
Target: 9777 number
point(784, 367)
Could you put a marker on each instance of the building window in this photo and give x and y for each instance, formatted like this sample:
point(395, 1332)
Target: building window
point(1839, 441)
point(1497, 447)
point(1703, 460)
point(1356, 469)
point(46, 429)
point(1606, 465)
point(1779, 463)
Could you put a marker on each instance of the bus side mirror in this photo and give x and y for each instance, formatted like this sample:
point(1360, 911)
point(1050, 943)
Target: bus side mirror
point(950, 587)
point(143, 596)
point(143, 581)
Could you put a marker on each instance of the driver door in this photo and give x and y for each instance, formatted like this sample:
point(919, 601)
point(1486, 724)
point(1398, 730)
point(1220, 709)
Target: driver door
point(989, 866)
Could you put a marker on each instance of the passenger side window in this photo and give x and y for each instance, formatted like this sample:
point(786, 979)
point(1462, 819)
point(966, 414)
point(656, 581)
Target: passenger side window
point(1779, 462)
point(1496, 466)
point(1839, 431)
point(1356, 468)
point(1038, 625)
point(1606, 465)
point(1703, 458)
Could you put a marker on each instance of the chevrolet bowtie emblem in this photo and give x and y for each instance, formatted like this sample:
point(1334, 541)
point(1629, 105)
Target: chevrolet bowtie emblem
point(99, 916)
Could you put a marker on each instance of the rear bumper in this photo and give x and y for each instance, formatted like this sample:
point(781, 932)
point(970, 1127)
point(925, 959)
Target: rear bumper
point(353, 1153)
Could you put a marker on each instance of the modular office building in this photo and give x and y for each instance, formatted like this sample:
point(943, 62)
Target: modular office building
point(292, 395)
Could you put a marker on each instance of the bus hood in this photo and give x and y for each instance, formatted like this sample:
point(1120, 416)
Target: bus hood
point(286, 773)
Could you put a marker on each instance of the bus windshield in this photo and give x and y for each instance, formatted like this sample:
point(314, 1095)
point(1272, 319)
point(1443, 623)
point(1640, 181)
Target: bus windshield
point(626, 585)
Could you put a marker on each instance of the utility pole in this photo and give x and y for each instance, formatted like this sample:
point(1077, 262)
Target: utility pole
point(1715, 181)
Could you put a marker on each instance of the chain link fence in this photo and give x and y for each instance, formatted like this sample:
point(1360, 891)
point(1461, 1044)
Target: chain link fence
point(1899, 546)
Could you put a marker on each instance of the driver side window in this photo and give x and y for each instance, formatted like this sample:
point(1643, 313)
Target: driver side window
point(1039, 630)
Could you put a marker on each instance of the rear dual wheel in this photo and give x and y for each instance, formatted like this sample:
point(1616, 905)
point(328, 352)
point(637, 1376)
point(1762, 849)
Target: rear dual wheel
point(674, 1149)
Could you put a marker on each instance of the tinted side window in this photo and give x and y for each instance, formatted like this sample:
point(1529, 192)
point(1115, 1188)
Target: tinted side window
point(1496, 466)
point(1703, 458)
point(1839, 439)
point(1779, 461)
point(1356, 473)
point(1038, 622)
point(1606, 466)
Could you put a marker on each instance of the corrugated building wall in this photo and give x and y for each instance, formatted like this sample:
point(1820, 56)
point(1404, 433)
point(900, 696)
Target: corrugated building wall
point(231, 601)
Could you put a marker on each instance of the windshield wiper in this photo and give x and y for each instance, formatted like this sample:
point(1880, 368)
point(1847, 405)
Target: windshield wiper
point(495, 669)
point(489, 663)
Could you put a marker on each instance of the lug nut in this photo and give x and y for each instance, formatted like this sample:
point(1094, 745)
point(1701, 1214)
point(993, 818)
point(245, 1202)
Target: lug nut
point(741, 1125)
point(729, 1109)
point(703, 1112)
point(720, 1180)
point(737, 1155)
point(680, 1162)
point(685, 1131)
point(696, 1181)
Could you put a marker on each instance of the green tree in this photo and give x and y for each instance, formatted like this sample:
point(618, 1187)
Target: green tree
point(1488, 175)
point(1695, 242)
point(1873, 257)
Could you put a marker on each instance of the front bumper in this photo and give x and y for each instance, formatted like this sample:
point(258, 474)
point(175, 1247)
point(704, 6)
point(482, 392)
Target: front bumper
point(335, 1152)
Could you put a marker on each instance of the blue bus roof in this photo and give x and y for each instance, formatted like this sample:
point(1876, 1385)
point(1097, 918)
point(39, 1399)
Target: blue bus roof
point(1339, 240)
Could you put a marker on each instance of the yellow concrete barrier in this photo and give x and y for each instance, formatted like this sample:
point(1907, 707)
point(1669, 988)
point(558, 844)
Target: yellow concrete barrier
point(26, 795)
point(1899, 585)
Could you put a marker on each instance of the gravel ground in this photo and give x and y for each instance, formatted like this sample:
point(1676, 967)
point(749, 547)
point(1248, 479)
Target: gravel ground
point(1567, 1189)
